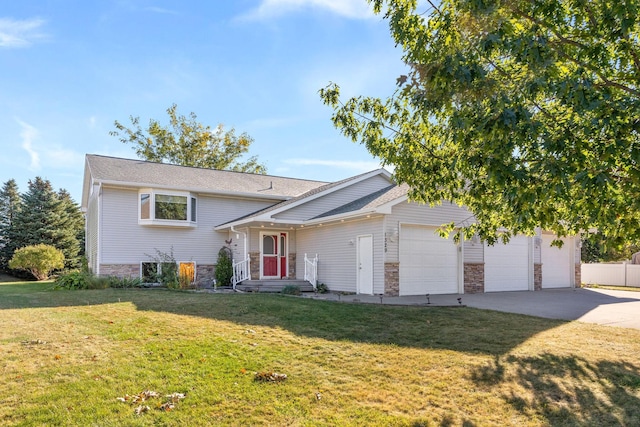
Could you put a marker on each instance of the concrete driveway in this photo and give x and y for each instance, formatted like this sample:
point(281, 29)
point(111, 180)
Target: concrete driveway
point(604, 307)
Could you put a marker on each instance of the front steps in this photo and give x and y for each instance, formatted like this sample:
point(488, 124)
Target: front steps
point(273, 285)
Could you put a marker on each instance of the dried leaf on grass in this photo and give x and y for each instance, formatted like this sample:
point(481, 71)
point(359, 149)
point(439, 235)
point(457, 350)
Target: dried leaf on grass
point(141, 409)
point(33, 342)
point(269, 376)
point(169, 405)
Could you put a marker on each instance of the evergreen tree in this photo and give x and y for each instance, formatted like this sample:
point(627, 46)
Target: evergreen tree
point(76, 223)
point(44, 218)
point(9, 208)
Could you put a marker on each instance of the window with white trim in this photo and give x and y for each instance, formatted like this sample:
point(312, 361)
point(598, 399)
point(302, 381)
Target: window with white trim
point(168, 208)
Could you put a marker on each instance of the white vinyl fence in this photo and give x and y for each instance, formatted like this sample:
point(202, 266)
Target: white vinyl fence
point(611, 274)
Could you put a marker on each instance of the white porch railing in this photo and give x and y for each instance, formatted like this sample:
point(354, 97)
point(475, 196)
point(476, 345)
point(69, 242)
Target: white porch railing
point(241, 271)
point(311, 270)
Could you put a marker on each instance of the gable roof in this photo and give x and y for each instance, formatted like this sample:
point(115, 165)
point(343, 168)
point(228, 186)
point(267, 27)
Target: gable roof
point(378, 201)
point(370, 202)
point(312, 194)
point(140, 173)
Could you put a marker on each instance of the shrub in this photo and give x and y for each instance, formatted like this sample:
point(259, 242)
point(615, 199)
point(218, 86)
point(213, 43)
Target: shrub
point(322, 288)
point(40, 260)
point(125, 282)
point(291, 290)
point(224, 267)
point(72, 280)
point(168, 274)
point(81, 280)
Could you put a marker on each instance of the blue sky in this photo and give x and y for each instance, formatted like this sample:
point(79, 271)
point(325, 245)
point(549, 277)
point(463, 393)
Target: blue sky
point(69, 69)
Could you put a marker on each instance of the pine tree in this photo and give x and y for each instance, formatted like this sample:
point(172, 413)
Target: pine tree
point(44, 218)
point(9, 208)
point(75, 223)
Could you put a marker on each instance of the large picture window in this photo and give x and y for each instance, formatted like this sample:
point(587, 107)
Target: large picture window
point(171, 207)
point(161, 208)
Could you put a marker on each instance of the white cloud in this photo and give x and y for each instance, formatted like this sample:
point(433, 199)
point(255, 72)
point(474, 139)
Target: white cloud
point(354, 9)
point(353, 165)
point(57, 157)
point(28, 135)
point(16, 33)
point(161, 10)
point(63, 158)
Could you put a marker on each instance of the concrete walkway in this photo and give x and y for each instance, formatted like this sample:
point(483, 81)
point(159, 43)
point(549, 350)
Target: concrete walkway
point(604, 307)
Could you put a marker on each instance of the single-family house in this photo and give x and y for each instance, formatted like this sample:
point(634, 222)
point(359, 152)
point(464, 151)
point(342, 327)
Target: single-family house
point(360, 234)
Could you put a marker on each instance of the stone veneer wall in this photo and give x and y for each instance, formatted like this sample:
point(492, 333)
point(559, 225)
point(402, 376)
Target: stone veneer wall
point(578, 271)
point(291, 274)
point(254, 259)
point(392, 278)
point(537, 277)
point(473, 278)
point(120, 270)
point(205, 274)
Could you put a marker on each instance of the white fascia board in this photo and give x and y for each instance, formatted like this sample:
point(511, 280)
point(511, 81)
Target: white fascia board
point(247, 221)
point(86, 184)
point(236, 194)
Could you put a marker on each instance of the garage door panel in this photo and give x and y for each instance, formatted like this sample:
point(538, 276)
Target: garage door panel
point(507, 266)
point(428, 263)
point(556, 263)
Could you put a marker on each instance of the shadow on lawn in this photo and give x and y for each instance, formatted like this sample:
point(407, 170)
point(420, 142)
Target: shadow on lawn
point(568, 390)
point(560, 389)
point(458, 328)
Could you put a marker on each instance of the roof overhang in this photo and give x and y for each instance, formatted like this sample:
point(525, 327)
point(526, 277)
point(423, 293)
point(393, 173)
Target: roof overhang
point(267, 220)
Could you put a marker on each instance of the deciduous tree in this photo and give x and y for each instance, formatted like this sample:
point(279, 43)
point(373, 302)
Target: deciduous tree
point(40, 260)
point(526, 112)
point(187, 142)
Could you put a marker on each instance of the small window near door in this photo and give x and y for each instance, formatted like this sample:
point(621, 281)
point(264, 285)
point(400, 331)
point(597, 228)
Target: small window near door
point(282, 245)
point(268, 245)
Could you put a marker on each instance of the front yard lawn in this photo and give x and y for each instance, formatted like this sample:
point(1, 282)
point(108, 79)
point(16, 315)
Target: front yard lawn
point(67, 356)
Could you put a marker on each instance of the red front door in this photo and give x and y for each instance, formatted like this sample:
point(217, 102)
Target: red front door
point(270, 255)
point(274, 255)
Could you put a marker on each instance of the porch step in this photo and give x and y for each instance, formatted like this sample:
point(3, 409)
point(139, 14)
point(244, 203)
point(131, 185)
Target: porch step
point(273, 285)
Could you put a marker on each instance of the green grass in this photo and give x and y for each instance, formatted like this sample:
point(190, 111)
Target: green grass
point(66, 356)
point(614, 288)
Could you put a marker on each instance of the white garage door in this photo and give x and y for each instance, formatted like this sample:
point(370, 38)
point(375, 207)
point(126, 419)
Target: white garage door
point(506, 267)
point(556, 263)
point(428, 263)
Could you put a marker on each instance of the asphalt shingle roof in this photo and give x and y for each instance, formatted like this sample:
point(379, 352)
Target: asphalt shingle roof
point(142, 173)
point(372, 201)
point(291, 201)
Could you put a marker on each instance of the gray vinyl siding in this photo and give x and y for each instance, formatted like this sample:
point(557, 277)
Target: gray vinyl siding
point(336, 246)
point(335, 199)
point(416, 213)
point(473, 252)
point(124, 241)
